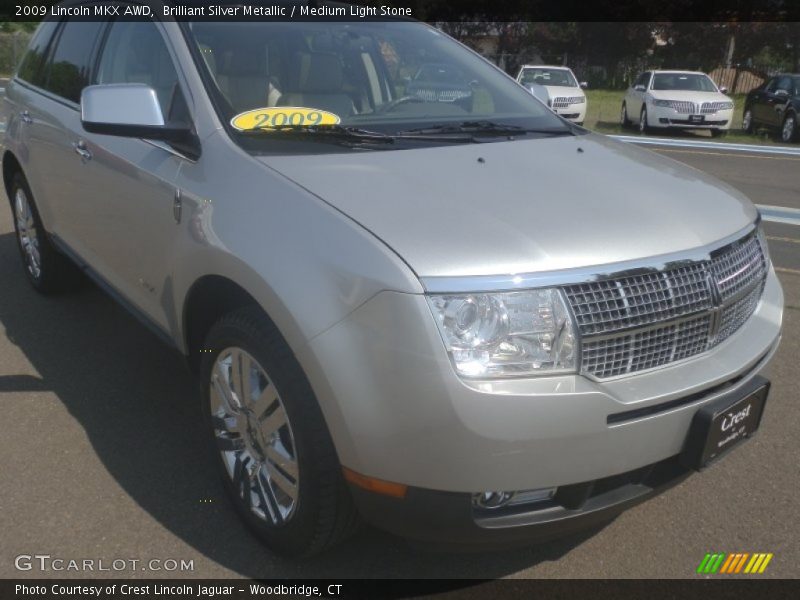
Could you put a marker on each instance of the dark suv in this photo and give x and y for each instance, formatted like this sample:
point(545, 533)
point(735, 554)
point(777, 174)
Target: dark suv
point(775, 105)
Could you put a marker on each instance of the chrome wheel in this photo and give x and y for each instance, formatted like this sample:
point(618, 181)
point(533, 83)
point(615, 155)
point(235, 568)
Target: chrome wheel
point(643, 121)
point(254, 436)
point(789, 125)
point(27, 233)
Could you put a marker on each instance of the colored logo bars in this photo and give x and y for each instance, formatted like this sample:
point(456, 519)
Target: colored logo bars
point(742, 562)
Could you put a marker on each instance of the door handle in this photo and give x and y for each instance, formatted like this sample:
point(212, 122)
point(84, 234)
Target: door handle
point(81, 150)
point(25, 117)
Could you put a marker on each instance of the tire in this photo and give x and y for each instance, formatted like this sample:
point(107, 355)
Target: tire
point(624, 121)
point(643, 126)
point(789, 129)
point(719, 133)
point(48, 270)
point(276, 457)
point(747, 121)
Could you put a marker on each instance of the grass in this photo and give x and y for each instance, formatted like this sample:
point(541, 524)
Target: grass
point(602, 115)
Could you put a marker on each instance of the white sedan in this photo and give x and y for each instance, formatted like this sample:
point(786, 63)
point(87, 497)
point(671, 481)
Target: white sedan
point(677, 99)
point(558, 88)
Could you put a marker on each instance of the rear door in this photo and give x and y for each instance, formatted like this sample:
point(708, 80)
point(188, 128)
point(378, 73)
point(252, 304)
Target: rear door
point(49, 89)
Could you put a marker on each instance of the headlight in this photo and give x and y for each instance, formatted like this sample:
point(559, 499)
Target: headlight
point(725, 106)
point(507, 334)
point(662, 103)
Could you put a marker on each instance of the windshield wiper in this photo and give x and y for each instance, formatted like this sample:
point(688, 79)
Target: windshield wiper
point(488, 128)
point(323, 132)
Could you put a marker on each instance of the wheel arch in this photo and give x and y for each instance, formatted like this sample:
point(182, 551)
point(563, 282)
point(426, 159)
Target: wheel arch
point(207, 300)
point(11, 165)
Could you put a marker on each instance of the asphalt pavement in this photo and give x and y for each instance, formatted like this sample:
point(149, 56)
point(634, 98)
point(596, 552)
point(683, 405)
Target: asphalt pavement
point(103, 455)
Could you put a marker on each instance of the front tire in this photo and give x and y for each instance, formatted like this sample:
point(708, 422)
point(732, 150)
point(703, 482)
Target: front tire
point(47, 269)
point(275, 455)
point(747, 121)
point(789, 129)
point(643, 125)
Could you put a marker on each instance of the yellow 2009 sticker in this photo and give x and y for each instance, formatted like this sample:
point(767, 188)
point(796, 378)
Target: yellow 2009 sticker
point(283, 116)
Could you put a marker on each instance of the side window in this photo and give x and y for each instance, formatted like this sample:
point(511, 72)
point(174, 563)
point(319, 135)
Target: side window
point(135, 52)
point(31, 69)
point(772, 85)
point(785, 83)
point(646, 81)
point(69, 67)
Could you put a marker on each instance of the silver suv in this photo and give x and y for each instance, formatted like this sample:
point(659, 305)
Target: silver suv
point(456, 315)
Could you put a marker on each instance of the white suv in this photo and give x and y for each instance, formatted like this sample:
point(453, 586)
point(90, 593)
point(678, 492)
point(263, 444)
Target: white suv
point(558, 88)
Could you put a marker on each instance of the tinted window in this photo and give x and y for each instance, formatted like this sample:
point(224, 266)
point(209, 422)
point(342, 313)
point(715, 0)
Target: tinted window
point(135, 52)
point(772, 85)
point(70, 67)
point(32, 64)
point(785, 83)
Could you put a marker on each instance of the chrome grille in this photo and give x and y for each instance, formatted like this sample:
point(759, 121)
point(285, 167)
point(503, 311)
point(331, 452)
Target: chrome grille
point(639, 300)
point(734, 315)
point(565, 101)
point(738, 267)
point(712, 107)
point(433, 95)
point(683, 107)
point(646, 349)
point(636, 322)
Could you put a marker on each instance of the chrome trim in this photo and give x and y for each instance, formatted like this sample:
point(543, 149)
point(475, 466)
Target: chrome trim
point(515, 282)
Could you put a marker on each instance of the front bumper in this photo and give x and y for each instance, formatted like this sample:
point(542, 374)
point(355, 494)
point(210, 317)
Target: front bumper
point(451, 517)
point(669, 117)
point(398, 412)
point(574, 112)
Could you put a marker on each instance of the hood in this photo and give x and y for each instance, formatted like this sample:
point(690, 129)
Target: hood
point(560, 90)
point(689, 95)
point(526, 206)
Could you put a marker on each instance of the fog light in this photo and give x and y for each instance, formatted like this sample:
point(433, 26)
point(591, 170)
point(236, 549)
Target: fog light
point(493, 500)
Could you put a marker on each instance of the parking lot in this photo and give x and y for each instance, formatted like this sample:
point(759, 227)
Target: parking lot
point(103, 455)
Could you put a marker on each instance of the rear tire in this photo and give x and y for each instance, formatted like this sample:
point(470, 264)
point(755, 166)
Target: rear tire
point(48, 270)
point(275, 454)
point(789, 129)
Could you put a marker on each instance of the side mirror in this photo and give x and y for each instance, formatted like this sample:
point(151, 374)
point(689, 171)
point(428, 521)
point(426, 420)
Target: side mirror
point(723, 90)
point(129, 110)
point(584, 84)
point(639, 87)
point(781, 92)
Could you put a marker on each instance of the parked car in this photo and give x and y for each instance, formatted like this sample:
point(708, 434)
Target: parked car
point(677, 100)
point(775, 105)
point(387, 313)
point(564, 94)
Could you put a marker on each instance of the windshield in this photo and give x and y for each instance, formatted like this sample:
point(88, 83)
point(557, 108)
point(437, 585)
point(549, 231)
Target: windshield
point(385, 77)
point(547, 76)
point(692, 82)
